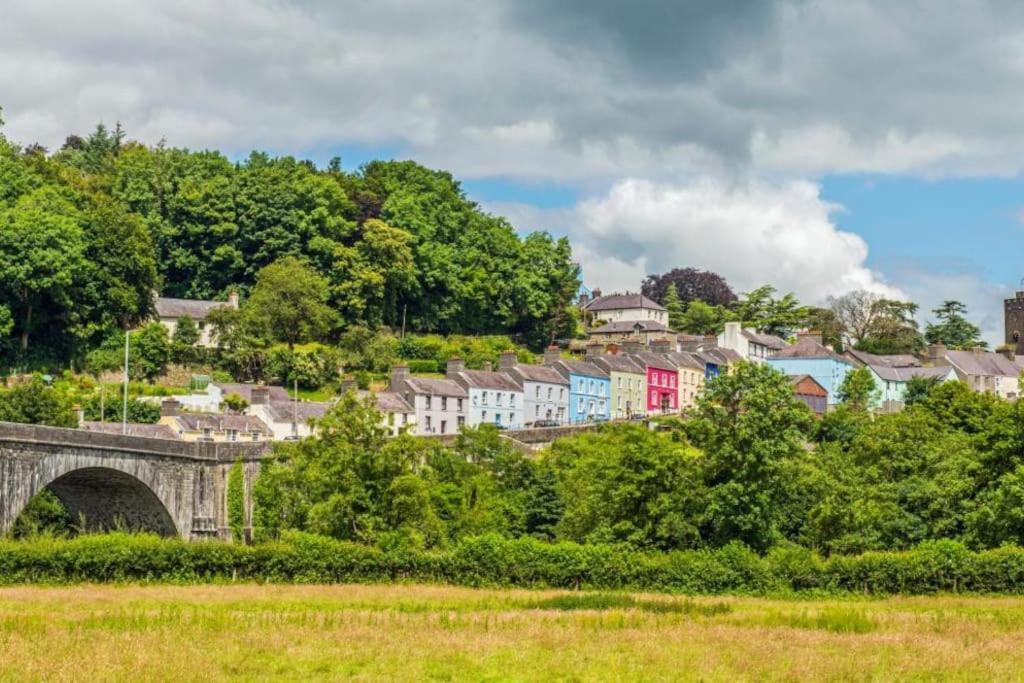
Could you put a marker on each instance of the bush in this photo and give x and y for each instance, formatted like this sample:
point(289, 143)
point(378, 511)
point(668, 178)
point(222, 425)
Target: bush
point(417, 366)
point(312, 365)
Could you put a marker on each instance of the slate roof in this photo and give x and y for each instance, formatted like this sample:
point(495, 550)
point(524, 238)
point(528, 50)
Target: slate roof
point(769, 340)
point(903, 374)
point(616, 362)
point(287, 411)
point(150, 431)
point(390, 402)
point(535, 373)
point(897, 360)
point(197, 422)
point(662, 361)
point(577, 367)
point(723, 355)
point(808, 348)
point(483, 379)
point(623, 326)
point(436, 387)
point(618, 301)
point(984, 363)
point(197, 309)
point(245, 391)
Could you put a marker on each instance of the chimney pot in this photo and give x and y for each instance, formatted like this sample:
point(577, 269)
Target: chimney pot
point(594, 349)
point(508, 360)
point(813, 335)
point(169, 407)
point(661, 345)
point(455, 366)
point(552, 354)
point(260, 396)
point(488, 366)
point(399, 373)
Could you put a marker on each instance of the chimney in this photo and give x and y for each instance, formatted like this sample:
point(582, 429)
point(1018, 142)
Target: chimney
point(79, 415)
point(631, 346)
point(169, 407)
point(455, 366)
point(508, 360)
point(594, 349)
point(1008, 352)
point(710, 341)
point(661, 345)
point(552, 354)
point(488, 366)
point(689, 342)
point(936, 352)
point(233, 298)
point(813, 335)
point(977, 350)
point(259, 396)
point(596, 293)
point(399, 373)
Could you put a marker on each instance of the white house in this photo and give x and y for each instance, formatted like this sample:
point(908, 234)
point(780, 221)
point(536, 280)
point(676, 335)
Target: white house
point(545, 391)
point(288, 418)
point(169, 311)
point(623, 307)
point(494, 397)
point(749, 344)
point(397, 414)
point(211, 400)
point(981, 370)
point(440, 405)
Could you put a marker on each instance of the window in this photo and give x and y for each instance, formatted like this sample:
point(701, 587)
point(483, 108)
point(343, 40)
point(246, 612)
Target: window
point(580, 387)
point(561, 394)
point(549, 393)
point(579, 405)
point(255, 435)
point(536, 410)
point(485, 398)
point(497, 398)
point(207, 433)
point(672, 382)
point(459, 404)
point(461, 421)
point(427, 401)
point(483, 416)
point(620, 381)
point(232, 435)
point(497, 418)
point(444, 426)
point(511, 419)
point(620, 401)
point(428, 421)
point(391, 419)
point(654, 397)
point(537, 392)
point(444, 403)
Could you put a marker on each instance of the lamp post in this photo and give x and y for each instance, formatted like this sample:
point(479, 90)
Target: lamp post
point(124, 413)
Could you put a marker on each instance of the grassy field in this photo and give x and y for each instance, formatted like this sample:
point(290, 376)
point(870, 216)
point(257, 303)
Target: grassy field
point(441, 633)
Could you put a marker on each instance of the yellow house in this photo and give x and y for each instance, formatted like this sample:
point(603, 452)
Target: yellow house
point(212, 427)
point(691, 377)
point(629, 384)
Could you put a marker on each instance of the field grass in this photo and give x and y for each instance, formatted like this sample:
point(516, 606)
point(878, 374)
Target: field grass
point(400, 632)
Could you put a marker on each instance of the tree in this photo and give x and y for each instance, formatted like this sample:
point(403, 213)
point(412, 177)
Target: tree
point(748, 424)
point(289, 303)
point(691, 284)
point(893, 329)
point(674, 305)
point(858, 389)
point(702, 318)
point(918, 389)
point(824, 320)
point(34, 402)
point(856, 312)
point(183, 342)
point(762, 311)
point(953, 329)
point(150, 352)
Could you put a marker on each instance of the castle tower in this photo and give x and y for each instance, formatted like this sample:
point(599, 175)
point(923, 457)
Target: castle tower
point(1013, 317)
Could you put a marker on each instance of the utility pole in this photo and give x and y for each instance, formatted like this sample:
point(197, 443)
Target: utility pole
point(124, 407)
point(405, 308)
point(295, 409)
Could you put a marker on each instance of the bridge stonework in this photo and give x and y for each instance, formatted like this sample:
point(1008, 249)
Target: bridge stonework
point(109, 480)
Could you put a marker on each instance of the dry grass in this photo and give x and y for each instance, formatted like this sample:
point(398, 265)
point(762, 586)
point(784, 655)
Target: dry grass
point(441, 633)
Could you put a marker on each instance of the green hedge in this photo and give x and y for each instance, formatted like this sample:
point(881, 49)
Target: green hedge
point(418, 366)
point(494, 561)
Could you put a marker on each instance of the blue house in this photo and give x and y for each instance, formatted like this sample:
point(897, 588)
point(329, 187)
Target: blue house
point(590, 390)
point(809, 357)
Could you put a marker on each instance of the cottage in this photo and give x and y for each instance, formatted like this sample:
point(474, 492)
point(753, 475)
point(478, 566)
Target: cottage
point(397, 414)
point(621, 330)
point(440, 405)
point(891, 382)
point(545, 391)
point(169, 311)
point(809, 357)
point(807, 390)
point(623, 307)
point(662, 378)
point(288, 418)
point(982, 371)
point(628, 383)
point(749, 344)
point(217, 428)
point(494, 397)
point(589, 388)
point(212, 399)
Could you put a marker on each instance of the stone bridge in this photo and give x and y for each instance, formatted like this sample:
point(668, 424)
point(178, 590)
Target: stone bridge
point(174, 488)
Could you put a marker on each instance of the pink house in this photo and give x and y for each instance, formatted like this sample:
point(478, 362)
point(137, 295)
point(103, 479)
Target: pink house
point(662, 382)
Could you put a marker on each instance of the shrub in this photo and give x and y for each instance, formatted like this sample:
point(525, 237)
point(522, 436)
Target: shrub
point(417, 366)
point(236, 501)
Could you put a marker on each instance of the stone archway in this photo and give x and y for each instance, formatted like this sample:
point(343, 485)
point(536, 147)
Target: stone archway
point(104, 499)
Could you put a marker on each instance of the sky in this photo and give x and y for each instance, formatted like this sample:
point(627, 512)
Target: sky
point(820, 146)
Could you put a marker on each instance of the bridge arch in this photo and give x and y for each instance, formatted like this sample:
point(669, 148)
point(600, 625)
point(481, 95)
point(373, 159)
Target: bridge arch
point(115, 493)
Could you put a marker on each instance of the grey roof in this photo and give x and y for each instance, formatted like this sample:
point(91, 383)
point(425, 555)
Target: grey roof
point(903, 374)
point(808, 348)
point(577, 367)
point(662, 361)
point(895, 360)
point(287, 411)
point(630, 326)
point(484, 379)
point(197, 309)
point(535, 373)
point(436, 387)
point(245, 390)
point(723, 355)
point(391, 402)
point(243, 423)
point(618, 301)
point(982, 363)
point(687, 359)
point(151, 431)
point(769, 340)
point(617, 362)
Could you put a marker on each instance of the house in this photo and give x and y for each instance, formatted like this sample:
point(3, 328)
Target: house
point(288, 418)
point(899, 360)
point(169, 311)
point(589, 388)
point(717, 361)
point(621, 330)
point(807, 390)
point(891, 382)
point(494, 397)
point(810, 357)
point(749, 344)
point(217, 428)
point(622, 307)
point(662, 376)
point(149, 431)
point(628, 382)
point(440, 405)
point(397, 414)
point(545, 391)
point(211, 399)
point(982, 371)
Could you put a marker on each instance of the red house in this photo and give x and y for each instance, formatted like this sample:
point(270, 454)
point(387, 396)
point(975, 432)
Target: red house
point(807, 390)
point(662, 382)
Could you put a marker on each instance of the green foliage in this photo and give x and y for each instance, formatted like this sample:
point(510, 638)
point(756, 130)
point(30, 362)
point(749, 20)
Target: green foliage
point(183, 342)
point(675, 307)
point(44, 515)
point(34, 402)
point(858, 389)
point(149, 352)
point(702, 318)
point(311, 365)
point(289, 303)
point(236, 501)
point(235, 403)
point(952, 327)
point(422, 366)
point(760, 310)
point(109, 408)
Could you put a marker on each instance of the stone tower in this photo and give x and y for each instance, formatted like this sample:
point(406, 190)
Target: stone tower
point(1013, 317)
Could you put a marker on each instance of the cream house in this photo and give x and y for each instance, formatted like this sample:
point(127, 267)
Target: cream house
point(169, 311)
point(209, 427)
point(615, 308)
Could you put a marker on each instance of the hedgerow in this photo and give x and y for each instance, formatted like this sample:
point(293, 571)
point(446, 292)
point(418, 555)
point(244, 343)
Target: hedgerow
point(943, 566)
